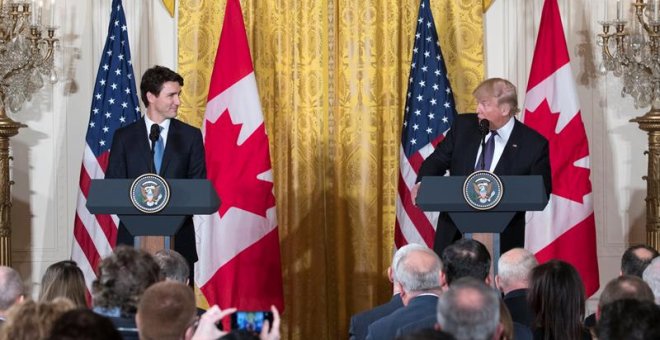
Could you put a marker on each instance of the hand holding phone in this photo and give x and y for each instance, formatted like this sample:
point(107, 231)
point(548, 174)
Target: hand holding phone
point(251, 321)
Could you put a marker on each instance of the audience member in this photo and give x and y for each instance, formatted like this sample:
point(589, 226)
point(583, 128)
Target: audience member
point(206, 328)
point(624, 287)
point(636, 258)
point(166, 311)
point(12, 290)
point(83, 324)
point(427, 334)
point(556, 297)
point(513, 280)
point(418, 275)
point(466, 258)
point(629, 319)
point(173, 266)
point(359, 322)
point(470, 310)
point(64, 279)
point(122, 278)
point(32, 320)
point(651, 276)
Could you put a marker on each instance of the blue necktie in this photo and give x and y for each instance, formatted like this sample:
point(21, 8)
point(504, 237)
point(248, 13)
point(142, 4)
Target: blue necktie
point(488, 151)
point(158, 152)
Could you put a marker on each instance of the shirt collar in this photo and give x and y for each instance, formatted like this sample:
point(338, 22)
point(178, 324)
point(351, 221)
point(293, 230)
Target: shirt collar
point(164, 125)
point(505, 131)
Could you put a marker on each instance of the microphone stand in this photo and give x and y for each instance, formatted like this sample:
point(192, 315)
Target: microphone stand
point(483, 128)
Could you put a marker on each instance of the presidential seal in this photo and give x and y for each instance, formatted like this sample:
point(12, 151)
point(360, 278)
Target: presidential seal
point(482, 190)
point(150, 193)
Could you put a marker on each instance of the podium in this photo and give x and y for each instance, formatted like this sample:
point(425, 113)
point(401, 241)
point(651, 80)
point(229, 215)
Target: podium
point(187, 197)
point(445, 194)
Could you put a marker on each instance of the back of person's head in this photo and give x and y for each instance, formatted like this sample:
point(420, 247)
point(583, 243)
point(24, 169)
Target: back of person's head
point(83, 324)
point(629, 319)
point(165, 311)
point(64, 279)
point(172, 265)
point(427, 334)
point(33, 320)
point(514, 267)
point(466, 258)
point(506, 321)
point(636, 258)
point(418, 269)
point(651, 276)
point(122, 278)
point(153, 80)
point(556, 297)
point(469, 310)
point(625, 287)
point(11, 288)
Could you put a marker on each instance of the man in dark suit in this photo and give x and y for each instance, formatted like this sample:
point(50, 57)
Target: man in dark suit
point(359, 322)
point(517, 150)
point(513, 281)
point(418, 277)
point(182, 156)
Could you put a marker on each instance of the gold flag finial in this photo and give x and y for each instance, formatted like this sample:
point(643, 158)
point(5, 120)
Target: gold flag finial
point(169, 4)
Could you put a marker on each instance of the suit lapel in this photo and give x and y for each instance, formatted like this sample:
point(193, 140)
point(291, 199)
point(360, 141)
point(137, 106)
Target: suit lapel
point(172, 141)
point(510, 150)
point(142, 143)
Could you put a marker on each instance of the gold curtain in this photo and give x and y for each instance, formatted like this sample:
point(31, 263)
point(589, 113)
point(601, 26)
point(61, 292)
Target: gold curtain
point(332, 76)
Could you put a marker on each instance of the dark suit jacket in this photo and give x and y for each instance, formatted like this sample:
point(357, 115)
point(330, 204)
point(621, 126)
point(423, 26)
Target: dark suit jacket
point(419, 307)
point(516, 303)
point(183, 157)
point(360, 321)
point(526, 153)
point(427, 322)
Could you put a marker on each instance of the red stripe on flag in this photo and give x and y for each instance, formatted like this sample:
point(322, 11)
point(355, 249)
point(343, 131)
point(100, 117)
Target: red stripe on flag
point(582, 257)
point(105, 221)
point(241, 281)
point(399, 239)
point(550, 38)
point(233, 47)
point(85, 242)
point(416, 215)
point(416, 161)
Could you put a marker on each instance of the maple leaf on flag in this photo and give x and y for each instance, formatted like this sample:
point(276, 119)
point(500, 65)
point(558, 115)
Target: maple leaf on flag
point(569, 180)
point(233, 169)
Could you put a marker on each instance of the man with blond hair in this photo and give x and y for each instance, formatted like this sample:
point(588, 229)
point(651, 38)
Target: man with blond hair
point(510, 149)
point(166, 311)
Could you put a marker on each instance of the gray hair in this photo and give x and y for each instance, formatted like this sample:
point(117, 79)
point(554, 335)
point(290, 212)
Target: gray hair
point(652, 277)
point(469, 310)
point(515, 266)
point(11, 287)
point(172, 265)
point(420, 273)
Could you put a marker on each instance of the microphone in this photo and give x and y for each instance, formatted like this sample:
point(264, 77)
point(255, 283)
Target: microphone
point(153, 137)
point(484, 127)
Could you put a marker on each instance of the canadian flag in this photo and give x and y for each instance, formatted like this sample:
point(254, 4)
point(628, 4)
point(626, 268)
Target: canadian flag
point(238, 246)
point(566, 229)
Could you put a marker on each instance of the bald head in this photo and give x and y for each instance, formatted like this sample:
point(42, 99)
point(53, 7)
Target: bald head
point(636, 258)
point(514, 268)
point(11, 288)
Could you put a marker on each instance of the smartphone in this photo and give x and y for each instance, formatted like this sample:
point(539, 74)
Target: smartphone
point(250, 321)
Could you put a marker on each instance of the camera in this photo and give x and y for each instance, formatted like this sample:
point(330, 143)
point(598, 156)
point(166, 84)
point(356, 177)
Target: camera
point(251, 321)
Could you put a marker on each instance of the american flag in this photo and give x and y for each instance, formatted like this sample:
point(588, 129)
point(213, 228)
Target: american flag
point(428, 115)
point(114, 104)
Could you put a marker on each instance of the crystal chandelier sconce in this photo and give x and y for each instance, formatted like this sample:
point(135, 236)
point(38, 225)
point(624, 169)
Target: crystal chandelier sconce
point(26, 61)
point(631, 50)
point(26, 52)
